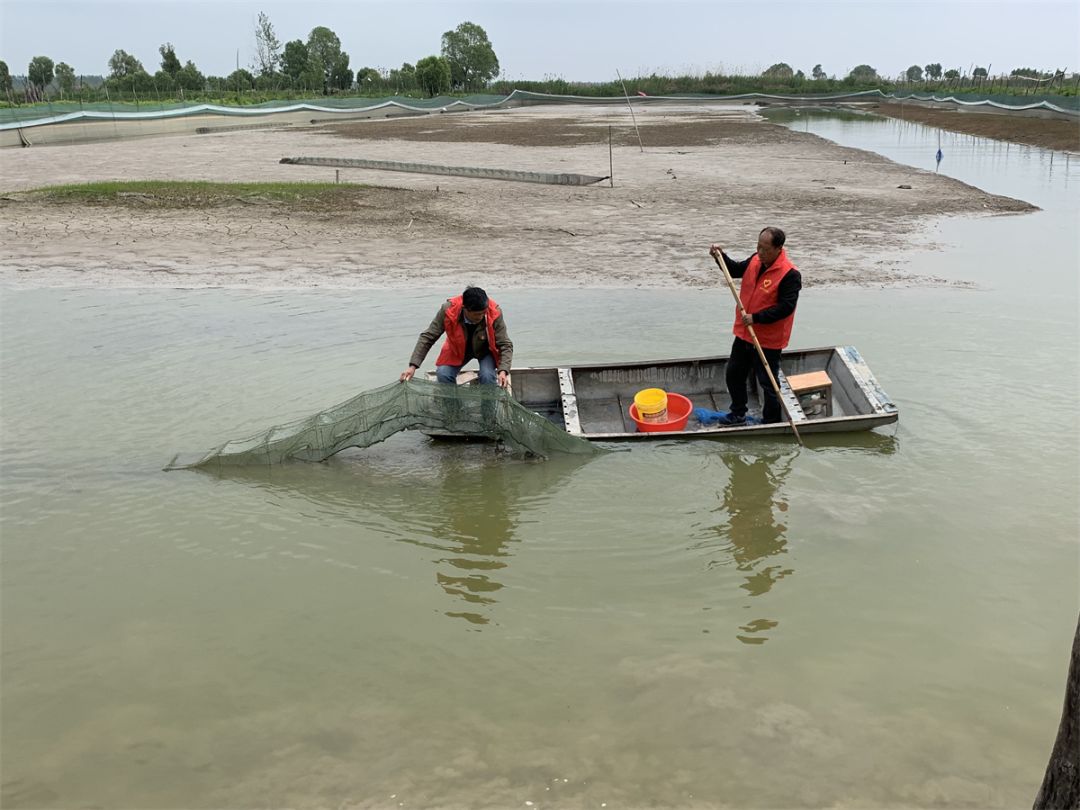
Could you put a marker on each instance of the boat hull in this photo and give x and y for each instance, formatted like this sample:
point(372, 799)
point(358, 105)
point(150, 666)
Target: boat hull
point(593, 400)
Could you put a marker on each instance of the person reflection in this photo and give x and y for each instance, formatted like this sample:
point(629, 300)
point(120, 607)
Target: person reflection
point(459, 503)
point(756, 528)
point(479, 523)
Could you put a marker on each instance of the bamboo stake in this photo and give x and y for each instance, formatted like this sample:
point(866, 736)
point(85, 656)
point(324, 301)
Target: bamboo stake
point(610, 162)
point(631, 106)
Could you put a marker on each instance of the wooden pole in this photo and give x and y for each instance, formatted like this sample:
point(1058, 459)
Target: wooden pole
point(610, 162)
point(631, 106)
point(761, 353)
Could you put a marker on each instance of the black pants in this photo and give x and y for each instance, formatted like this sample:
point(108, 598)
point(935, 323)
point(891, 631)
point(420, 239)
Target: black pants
point(745, 361)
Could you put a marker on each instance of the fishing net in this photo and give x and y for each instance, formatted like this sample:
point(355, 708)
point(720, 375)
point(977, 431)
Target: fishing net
point(373, 416)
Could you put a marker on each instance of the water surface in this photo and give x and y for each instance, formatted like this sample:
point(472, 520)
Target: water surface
point(880, 619)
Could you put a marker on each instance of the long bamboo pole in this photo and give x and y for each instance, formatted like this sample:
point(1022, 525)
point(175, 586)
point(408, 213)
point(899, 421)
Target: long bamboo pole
point(631, 106)
point(757, 345)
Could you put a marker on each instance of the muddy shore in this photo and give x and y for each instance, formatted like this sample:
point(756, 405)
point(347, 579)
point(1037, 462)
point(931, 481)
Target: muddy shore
point(706, 174)
point(1049, 133)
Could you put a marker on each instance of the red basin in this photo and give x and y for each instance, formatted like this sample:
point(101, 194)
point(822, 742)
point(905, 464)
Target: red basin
point(678, 413)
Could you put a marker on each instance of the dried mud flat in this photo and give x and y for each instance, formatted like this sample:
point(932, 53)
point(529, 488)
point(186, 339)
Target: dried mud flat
point(706, 174)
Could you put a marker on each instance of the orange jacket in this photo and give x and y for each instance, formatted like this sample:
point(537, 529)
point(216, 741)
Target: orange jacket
point(453, 351)
point(758, 292)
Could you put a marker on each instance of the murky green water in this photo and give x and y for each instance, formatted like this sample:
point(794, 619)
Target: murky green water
point(877, 620)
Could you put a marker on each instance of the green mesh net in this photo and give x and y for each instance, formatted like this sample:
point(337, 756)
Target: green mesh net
point(373, 416)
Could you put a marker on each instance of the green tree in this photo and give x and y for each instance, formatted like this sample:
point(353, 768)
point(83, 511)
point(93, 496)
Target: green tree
point(1028, 73)
point(65, 77)
point(468, 51)
point(122, 64)
point(313, 78)
point(268, 82)
point(862, 74)
point(952, 74)
point(341, 76)
point(368, 74)
point(979, 73)
point(169, 63)
point(433, 75)
point(163, 82)
point(190, 79)
point(240, 80)
point(404, 78)
point(781, 70)
point(40, 72)
point(127, 74)
point(914, 74)
point(324, 50)
point(818, 73)
point(366, 77)
point(933, 71)
point(5, 78)
point(294, 61)
point(267, 47)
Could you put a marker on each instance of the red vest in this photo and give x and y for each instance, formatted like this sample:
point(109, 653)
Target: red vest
point(453, 351)
point(760, 292)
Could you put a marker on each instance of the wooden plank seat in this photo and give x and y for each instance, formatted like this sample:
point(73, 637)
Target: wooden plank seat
point(814, 392)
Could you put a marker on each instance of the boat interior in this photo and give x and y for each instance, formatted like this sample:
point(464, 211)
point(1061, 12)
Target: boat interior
point(596, 399)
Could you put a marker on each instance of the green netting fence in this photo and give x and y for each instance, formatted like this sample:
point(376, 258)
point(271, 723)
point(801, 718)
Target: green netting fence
point(43, 114)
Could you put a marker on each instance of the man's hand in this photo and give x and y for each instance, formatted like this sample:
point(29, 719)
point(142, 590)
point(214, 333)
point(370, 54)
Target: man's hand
point(504, 379)
point(747, 319)
point(408, 373)
point(715, 250)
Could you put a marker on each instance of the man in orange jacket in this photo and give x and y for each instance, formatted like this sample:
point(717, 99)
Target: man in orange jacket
point(474, 328)
point(769, 294)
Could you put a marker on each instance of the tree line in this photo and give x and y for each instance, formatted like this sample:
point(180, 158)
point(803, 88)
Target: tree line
point(467, 61)
point(926, 74)
point(782, 79)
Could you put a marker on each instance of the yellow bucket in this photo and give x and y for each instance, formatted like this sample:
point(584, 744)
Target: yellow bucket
point(651, 404)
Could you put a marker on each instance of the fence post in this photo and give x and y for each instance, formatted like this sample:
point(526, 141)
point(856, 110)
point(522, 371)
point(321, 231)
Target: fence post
point(611, 164)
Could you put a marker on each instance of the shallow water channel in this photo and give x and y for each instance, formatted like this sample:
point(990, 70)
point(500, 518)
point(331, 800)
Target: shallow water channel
point(881, 619)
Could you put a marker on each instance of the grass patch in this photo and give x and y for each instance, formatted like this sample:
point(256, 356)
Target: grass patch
point(200, 194)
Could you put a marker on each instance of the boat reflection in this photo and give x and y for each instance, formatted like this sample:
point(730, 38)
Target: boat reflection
point(866, 443)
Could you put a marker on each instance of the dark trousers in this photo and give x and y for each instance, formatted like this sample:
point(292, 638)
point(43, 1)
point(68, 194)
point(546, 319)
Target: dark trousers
point(744, 362)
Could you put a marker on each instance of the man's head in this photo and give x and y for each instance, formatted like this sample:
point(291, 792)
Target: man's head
point(769, 244)
point(474, 301)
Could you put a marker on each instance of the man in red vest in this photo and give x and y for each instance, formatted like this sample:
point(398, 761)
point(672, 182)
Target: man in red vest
point(769, 294)
point(474, 328)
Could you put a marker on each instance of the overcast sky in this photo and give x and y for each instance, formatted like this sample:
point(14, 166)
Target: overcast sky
point(587, 40)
